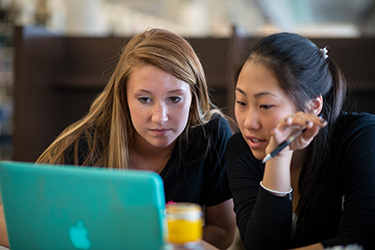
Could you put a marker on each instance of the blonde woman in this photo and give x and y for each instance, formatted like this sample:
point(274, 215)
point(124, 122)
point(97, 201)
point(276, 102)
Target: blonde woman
point(155, 114)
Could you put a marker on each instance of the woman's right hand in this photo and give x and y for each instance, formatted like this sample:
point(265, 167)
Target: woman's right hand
point(277, 174)
point(310, 123)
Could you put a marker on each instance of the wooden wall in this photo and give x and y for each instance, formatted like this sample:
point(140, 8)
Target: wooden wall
point(57, 78)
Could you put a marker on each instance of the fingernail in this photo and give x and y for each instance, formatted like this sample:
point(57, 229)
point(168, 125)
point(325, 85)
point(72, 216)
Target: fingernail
point(322, 120)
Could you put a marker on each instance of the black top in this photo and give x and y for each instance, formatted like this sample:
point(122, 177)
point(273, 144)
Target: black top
point(201, 176)
point(196, 170)
point(265, 220)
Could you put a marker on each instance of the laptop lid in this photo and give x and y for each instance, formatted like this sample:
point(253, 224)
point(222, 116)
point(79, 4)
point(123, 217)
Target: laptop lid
point(66, 207)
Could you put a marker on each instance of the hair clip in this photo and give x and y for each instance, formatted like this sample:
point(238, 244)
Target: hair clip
point(324, 52)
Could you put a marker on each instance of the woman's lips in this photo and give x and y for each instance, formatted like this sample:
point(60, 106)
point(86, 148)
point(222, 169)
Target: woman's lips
point(255, 142)
point(160, 132)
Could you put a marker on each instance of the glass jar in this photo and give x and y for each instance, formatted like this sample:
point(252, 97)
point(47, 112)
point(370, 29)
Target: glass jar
point(184, 222)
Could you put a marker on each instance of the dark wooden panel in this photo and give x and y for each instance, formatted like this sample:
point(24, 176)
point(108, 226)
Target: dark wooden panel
point(37, 60)
point(57, 78)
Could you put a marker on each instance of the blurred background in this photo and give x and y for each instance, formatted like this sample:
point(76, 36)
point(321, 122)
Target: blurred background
point(189, 18)
point(195, 17)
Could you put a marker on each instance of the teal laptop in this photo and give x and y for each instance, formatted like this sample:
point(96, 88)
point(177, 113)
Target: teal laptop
point(66, 207)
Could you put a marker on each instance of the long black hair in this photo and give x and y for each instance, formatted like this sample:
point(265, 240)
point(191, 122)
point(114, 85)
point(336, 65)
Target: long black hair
point(305, 72)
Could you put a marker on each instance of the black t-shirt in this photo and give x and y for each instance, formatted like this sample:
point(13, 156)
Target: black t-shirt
point(201, 178)
point(265, 220)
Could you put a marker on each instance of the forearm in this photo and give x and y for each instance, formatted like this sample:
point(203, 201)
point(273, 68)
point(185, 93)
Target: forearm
point(269, 224)
point(3, 230)
point(277, 173)
point(220, 224)
point(217, 236)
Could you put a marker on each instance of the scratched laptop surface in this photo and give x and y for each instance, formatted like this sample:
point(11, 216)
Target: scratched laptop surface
point(64, 207)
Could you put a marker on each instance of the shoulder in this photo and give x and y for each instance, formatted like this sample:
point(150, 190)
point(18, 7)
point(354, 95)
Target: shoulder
point(237, 142)
point(356, 118)
point(352, 123)
point(354, 139)
point(239, 159)
point(218, 121)
point(237, 138)
point(82, 150)
point(238, 149)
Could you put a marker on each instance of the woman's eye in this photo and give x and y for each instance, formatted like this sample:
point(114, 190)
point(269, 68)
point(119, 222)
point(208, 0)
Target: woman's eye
point(265, 106)
point(175, 99)
point(240, 103)
point(144, 100)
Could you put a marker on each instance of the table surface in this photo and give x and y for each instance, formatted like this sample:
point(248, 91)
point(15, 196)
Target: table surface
point(206, 245)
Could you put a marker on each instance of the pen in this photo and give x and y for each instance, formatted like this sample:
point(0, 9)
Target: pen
point(282, 146)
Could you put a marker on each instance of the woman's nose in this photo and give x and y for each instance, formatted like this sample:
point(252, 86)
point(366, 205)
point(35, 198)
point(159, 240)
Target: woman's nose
point(160, 113)
point(251, 120)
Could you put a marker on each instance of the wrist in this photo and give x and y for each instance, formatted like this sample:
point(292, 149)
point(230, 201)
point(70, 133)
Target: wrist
point(278, 193)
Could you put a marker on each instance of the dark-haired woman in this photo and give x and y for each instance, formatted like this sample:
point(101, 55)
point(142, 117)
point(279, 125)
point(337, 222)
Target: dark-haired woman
point(319, 191)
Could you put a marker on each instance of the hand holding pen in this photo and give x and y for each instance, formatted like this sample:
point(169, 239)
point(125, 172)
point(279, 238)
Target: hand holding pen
point(291, 138)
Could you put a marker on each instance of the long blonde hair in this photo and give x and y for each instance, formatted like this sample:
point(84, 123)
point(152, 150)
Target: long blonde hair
point(107, 127)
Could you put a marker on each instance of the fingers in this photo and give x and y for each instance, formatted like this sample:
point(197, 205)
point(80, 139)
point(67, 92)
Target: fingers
point(309, 123)
point(302, 120)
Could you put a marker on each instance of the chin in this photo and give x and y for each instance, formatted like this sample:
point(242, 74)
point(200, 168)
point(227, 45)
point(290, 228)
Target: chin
point(164, 144)
point(258, 155)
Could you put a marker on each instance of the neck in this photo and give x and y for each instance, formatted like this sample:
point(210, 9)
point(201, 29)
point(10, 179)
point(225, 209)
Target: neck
point(154, 153)
point(148, 157)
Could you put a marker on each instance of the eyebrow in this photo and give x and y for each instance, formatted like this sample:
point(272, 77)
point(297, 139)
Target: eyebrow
point(257, 95)
point(169, 92)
